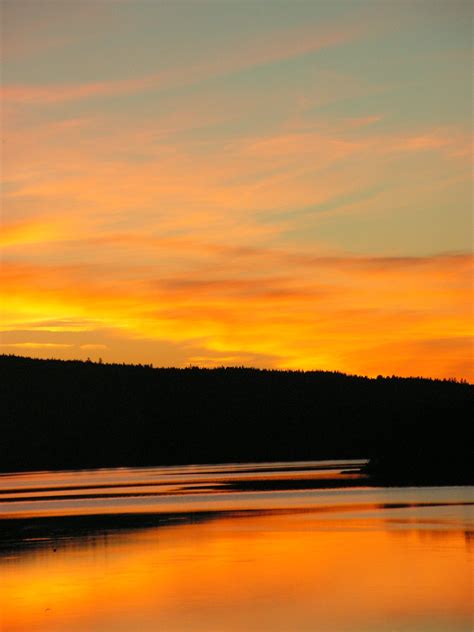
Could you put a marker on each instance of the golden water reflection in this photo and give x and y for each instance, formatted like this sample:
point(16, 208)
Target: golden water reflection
point(271, 572)
point(323, 560)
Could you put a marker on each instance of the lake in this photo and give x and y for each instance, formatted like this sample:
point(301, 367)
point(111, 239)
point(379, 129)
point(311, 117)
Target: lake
point(286, 547)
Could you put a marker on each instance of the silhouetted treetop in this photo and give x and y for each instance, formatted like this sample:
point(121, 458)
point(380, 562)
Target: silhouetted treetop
point(67, 414)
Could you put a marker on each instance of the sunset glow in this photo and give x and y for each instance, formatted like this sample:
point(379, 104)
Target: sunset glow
point(239, 184)
point(242, 563)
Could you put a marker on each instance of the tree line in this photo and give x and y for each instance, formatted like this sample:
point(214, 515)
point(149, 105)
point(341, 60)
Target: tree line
point(73, 414)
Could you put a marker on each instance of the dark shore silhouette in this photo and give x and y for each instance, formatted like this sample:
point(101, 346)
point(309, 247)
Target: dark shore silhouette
point(72, 414)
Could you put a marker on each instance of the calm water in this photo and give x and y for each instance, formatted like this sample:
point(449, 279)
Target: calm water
point(252, 548)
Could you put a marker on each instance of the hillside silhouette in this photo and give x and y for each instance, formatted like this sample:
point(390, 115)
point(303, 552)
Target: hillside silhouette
point(72, 414)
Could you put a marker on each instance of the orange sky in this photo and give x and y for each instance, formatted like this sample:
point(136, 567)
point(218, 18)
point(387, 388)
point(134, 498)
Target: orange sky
point(221, 185)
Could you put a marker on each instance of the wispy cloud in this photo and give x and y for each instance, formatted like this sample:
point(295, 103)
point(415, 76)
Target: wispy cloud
point(54, 93)
point(298, 317)
point(274, 199)
point(37, 345)
point(277, 46)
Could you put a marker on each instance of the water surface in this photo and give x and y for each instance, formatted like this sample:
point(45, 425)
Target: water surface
point(282, 547)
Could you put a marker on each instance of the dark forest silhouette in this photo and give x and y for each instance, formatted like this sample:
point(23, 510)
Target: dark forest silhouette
point(72, 414)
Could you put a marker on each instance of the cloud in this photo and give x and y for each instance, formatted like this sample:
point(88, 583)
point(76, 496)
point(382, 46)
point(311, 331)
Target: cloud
point(38, 231)
point(37, 345)
point(358, 314)
point(218, 217)
point(244, 191)
point(57, 93)
point(276, 46)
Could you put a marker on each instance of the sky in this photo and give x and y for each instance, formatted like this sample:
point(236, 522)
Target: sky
point(278, 184)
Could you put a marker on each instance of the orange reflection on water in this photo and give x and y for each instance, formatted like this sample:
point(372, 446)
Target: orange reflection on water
point(268, 572)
